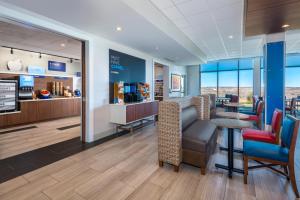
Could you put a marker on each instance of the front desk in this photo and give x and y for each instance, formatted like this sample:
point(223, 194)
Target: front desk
point(37, 110)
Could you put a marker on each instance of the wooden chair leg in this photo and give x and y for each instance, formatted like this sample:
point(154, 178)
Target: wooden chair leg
point(160, 163)
point(293, 180)
point(176, 168)
point(245, 169)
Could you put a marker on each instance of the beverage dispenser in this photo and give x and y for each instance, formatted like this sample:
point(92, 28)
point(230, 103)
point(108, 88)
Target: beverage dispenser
point(26, 84)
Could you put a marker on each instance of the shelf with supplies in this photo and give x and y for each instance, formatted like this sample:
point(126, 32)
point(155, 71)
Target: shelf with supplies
point(159, 88)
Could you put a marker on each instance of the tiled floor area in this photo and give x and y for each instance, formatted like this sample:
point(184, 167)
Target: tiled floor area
point(40, 135)
point(127, 168)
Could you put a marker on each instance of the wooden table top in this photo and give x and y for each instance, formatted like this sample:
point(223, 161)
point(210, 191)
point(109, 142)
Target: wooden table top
point(232, 123)
point(234, 105)
point(232, 115)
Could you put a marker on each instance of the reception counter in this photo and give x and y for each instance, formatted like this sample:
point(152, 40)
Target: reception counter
point(36, 110)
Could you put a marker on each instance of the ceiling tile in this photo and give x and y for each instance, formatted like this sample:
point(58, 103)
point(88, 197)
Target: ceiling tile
point(181, 23)
point(173, 13)
point(228, 12)
point(192, 7)
point(221, 3)
point(162, 4)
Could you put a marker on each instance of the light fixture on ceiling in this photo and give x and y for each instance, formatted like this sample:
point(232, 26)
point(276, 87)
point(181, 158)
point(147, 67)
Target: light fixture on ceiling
point(230, 36)
point(119, 28)
point(63, 45)
point(11, 51)
point(285, 26)
point(156, 48)
point(40, 56)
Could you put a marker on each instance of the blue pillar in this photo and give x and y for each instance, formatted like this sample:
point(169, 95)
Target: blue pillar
point(274, 60)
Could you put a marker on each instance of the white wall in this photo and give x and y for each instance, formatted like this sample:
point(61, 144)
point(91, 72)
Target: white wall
point(256, 77)
point(102, 126)
point(97, 72)
point(180, 70)
point(193, 80)
point(29, 58)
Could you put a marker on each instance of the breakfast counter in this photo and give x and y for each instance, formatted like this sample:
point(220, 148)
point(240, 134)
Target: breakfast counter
point(50, 99)
point(36, 110)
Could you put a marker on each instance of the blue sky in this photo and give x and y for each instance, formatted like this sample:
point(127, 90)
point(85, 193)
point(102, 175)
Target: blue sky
point(292, 77)
point(227, 79)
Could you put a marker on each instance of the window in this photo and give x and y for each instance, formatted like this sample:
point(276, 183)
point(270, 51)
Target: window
point(228, 83)
point(292, 83)
point(246, 86)
point(292, 76)
point(231, 76)
point(209, 82)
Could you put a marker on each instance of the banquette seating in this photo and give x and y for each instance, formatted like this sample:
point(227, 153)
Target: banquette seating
point(185, 132)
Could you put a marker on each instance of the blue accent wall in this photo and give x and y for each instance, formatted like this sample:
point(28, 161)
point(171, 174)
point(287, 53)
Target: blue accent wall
point(126, 68)
point(274, 61)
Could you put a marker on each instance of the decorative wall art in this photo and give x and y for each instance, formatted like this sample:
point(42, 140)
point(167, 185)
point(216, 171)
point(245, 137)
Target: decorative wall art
point(175, 82)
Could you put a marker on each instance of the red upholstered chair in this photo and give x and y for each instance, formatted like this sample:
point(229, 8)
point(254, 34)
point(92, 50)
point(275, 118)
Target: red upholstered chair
point(266, 136)
point(257, 118)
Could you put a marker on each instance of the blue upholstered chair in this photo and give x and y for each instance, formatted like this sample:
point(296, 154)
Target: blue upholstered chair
point(247, 112)
point(270, 155)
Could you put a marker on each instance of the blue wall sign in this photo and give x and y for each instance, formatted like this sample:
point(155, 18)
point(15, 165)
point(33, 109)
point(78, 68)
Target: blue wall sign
point(126, 68)
point(56, 66)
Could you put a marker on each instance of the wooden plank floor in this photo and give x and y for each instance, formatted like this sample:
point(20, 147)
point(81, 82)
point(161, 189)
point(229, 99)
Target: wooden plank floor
point(127, 168)
point(45, 134)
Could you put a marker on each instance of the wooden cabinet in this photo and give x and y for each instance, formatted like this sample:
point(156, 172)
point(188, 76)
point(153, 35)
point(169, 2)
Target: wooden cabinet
point(41, 110)
point(125, 114)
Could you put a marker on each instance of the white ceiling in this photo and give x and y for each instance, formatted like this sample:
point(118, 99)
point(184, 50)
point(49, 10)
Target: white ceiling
point(101, 17)
point(23, 36)
point(207, 24)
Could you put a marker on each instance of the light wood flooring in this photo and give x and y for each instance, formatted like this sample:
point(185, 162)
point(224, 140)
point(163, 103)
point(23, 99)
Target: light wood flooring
point(127, 168)
point(45, 134)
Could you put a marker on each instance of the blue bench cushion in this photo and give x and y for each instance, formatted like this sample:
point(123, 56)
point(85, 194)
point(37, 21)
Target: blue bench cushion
point(266, 150)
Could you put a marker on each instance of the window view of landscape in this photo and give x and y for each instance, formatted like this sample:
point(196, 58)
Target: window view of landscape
point(292, 88)
point(233, 76)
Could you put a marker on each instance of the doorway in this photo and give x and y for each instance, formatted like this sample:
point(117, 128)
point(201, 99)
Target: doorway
point(46, 73)
point(161, 81)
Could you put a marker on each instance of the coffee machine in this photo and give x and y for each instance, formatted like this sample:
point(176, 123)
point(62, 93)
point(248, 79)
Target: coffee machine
point(26, 84)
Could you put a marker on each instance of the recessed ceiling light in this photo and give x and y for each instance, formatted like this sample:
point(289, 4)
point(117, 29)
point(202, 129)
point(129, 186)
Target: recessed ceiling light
point(62, 45)
point(285, 26)
point(156, 48)
point(119, 28)
point(230, 36)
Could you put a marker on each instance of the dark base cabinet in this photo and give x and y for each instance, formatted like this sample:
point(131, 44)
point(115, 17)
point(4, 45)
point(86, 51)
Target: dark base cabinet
point(42, 110)
point(127, 113)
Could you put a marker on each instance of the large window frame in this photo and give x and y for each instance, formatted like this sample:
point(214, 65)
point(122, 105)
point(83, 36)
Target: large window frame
point(293, 65)
point(238, 70)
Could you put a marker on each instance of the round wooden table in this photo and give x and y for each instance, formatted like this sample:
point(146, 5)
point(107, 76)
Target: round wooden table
point(232, 115)
point(231, 124)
